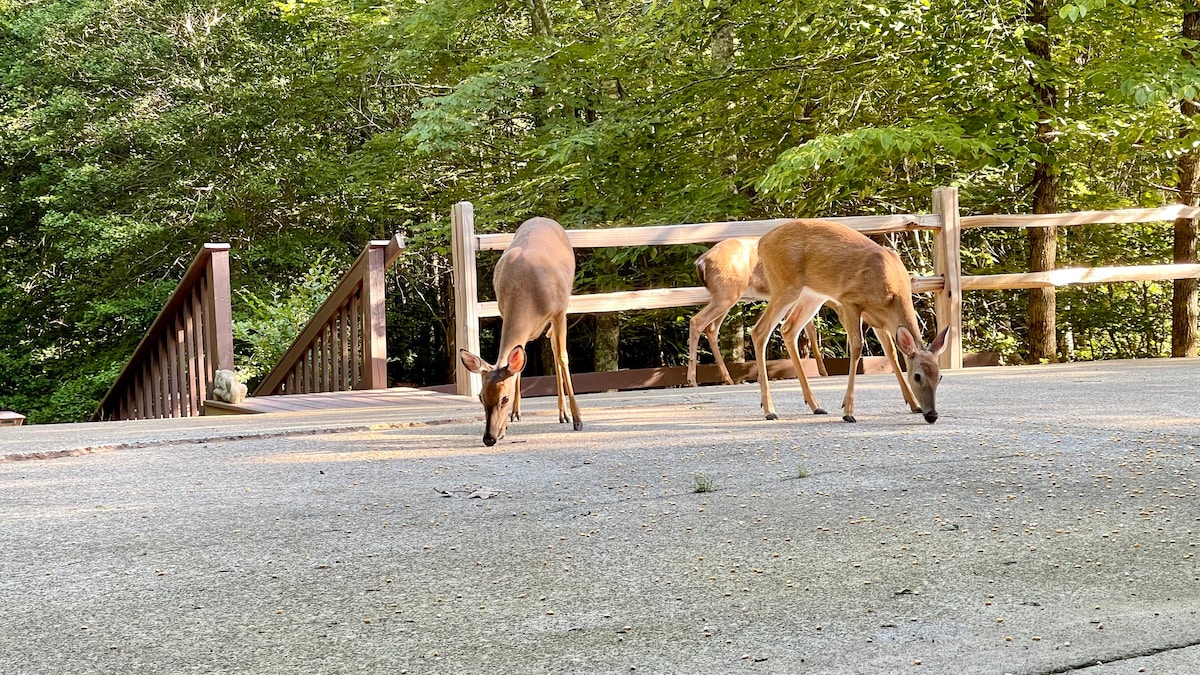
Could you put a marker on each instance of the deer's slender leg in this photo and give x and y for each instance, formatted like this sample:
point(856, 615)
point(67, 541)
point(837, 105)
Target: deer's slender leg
point(516, 406)
point(852, 322)
point(714, 341)
point(551, 335)
point(814, 346)
point(776, 308)
point(708, 321)
point(806, 307)
point(558, 328)
point(889, 348)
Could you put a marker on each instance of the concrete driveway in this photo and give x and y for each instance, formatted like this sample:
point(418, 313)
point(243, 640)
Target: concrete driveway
point(1048, 523)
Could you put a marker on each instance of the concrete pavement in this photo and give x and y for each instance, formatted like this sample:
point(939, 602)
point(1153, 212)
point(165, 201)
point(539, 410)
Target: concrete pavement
point(1047, 523)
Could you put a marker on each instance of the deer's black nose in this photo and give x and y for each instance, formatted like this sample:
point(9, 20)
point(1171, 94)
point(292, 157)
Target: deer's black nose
point(931, 416)
point(489, 440)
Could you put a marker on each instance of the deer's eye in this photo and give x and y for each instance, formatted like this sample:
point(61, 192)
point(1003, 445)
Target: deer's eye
point(504, 400)
point(917, 377)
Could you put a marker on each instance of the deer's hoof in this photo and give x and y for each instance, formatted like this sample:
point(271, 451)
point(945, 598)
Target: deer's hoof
point(820, 411)
point(848, 418)
point(772, 416)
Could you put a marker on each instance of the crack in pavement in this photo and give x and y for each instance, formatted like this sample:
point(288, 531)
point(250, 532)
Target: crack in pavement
point(1091, 663)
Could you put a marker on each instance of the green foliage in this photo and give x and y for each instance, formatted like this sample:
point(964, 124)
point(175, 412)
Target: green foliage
point(131, 133)
point(267, 321)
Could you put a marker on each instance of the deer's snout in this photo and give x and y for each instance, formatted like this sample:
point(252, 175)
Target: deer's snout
point(489, 440)
point(931, 416)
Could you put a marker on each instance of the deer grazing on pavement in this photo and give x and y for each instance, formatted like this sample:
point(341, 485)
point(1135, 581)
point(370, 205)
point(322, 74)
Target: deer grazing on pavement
point(808, 262)
point(533, 281)
point(730, 270)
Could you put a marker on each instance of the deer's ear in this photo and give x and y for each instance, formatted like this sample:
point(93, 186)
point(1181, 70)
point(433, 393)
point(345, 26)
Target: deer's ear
point(906, 342)
point(473, 363)
point(939, 343)
point(516, 359)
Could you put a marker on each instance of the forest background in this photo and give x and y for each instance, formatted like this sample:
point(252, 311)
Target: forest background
point(133, 131)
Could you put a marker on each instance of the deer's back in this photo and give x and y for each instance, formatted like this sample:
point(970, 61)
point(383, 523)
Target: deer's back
point(533, 277)
point(732, 265)
point(834, 261)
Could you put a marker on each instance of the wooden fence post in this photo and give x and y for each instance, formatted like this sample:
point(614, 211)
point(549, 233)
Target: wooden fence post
point(374, 318)
point(947, 262)
point(466, 295)
point(222, 304)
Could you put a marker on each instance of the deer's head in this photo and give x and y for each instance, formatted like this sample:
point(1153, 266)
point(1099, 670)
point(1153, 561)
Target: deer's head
point(924, 374)
point(499, 390)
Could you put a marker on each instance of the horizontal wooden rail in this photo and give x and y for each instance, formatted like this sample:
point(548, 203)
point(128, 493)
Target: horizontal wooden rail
point(660, 235)
point(1119, 216)
point(662, 298)
point(1080, 275)
point(171, 369)
point(344, 345)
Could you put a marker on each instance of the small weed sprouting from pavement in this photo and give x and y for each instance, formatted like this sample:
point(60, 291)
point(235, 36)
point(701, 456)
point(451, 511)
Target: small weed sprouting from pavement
point(802, 471)
point(704, 483)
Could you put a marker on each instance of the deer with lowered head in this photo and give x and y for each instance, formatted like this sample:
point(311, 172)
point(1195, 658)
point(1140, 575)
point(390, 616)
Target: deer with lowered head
point(809, 262)
point(533, 281)
point(731, 271)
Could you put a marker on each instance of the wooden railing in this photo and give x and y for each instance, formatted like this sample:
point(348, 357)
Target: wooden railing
point(171, 370)
point(466, 244)
point(1081, 275)
point(947, 283)
point(344, 345)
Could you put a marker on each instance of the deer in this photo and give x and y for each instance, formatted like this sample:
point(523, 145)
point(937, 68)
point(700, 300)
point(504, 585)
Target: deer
point(730, 270)
point(809, 262)
point(532, 280)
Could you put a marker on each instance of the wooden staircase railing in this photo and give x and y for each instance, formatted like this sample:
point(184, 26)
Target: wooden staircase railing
point(343, 346)
point(171, 370)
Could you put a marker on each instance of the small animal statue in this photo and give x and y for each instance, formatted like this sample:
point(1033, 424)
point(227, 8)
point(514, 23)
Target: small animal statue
point(809, 262)
point(730, 270)
point(227, 388)
point(533, 280)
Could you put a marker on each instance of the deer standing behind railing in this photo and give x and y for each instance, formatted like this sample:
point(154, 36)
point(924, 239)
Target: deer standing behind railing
point(809, 262)
point(533, 280)
point(730, 270)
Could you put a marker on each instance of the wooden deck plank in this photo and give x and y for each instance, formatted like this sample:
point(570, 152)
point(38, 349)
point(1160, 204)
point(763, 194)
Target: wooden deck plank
point(645, 378)
point(337, 400)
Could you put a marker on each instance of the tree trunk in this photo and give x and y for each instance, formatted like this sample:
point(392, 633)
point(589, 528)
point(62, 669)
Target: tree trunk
point(722, 46)
point(1043, 241)
point(1183, 298)
point(539, 18)
point(608, 341)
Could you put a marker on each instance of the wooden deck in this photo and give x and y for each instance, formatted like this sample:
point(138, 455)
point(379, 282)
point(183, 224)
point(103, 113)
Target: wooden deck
point(393, 397)
point(624, 380)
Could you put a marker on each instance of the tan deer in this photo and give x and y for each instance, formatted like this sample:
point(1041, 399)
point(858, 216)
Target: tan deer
point(533, 281)
point(806, 263)
point(730, 270)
